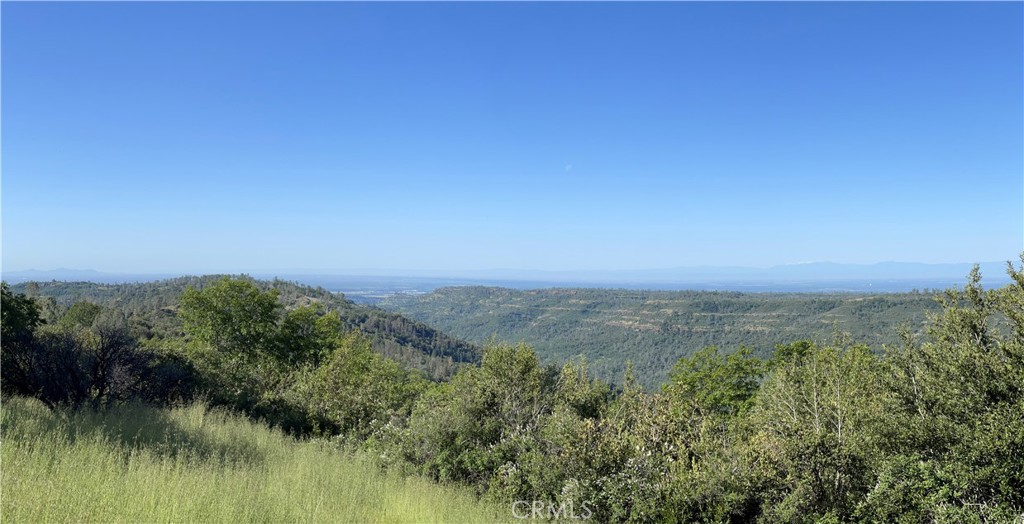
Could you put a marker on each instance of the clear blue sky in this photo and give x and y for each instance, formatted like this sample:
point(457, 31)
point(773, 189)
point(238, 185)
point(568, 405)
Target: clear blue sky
point(142, 137)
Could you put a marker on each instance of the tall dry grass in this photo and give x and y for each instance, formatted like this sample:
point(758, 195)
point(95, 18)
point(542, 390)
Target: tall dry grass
point(195, 464)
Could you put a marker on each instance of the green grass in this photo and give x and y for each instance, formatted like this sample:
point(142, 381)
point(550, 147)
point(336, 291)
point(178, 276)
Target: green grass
point(194, 464)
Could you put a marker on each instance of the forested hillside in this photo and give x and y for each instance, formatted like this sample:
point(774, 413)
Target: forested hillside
point(653, 329)
point(928, 430)
point(153, 306)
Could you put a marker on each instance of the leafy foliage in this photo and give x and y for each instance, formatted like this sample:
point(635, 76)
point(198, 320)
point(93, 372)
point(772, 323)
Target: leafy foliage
point(19, 317)
point(232, 316)
point(298, 368)
point(357, 392)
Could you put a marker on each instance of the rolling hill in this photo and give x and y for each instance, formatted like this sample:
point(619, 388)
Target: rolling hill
point(153, 305)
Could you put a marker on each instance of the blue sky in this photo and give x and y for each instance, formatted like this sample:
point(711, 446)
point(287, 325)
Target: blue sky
point(188, 137)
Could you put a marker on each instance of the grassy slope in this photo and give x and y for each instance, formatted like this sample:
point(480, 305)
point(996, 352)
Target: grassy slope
point(193, 464)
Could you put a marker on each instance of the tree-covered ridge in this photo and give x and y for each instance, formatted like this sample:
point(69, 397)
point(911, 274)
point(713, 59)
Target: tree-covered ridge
point(153, 309)
point(653, 329)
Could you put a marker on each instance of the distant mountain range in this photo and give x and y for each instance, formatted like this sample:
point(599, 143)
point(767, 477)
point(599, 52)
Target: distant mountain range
point(80, 275)
point(815, 276)
point(784, 273)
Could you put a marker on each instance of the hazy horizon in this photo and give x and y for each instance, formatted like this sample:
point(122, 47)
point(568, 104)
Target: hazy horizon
point(468, 137)
point(906, 272)
point(1014, 259)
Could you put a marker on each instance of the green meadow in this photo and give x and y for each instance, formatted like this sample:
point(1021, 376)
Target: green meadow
point(134, 463)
